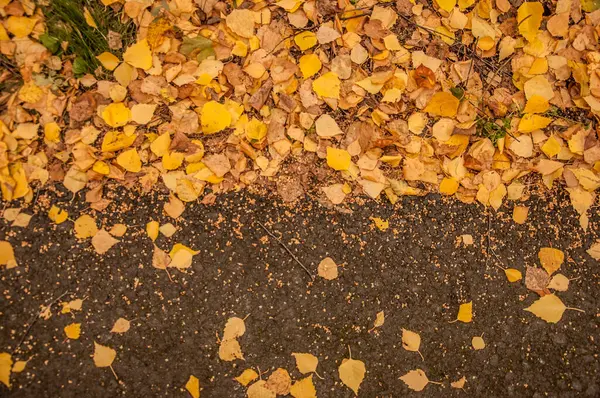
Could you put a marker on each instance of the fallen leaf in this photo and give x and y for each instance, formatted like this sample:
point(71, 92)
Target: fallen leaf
point(19, 366)
point(152, 229)
point(328, 269)
point(260, 390)
point(416, 380)
point(234, 328)
point(230, 350)
point(379, 320)
point(247, 376)
point(85, 227)
point(103, 356)
point(380, 223)
point(513, 275)
point(478, 343)
point(549, 308)
point(121, 325)
point(465, 312)
point(5, 368)
point(536, 279)
point(103, 241)
point(139, 55)
point(279, 382)
point(520, 214)
point(193, 386)
point(160, 259)
point(559, 282)
point(306, 363)
point(460, 383)
point(411, 341)
point(7, 255)
point(73, 331)
point(551, 259)
point(338, 159)
point(57, 215)
point(304, 388)
point(352, 373)
point(174, 208)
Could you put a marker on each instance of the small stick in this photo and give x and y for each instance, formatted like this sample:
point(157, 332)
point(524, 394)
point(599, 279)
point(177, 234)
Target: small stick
point(34, 320)
point(287, 249)
point(113, 372)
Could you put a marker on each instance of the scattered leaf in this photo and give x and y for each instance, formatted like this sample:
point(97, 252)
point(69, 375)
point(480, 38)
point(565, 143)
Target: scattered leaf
point(352, 373)
point(193, 386)
point(121, 325)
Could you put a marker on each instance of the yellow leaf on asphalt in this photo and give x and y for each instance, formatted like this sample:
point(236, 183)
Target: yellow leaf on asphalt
point(411, 341)
point(247, 376)
point(513, 275)
point(7, 255)
point(328, 269)
point(520, 214)
point(416, 380)
point(230, 350)
point(19, 366)
point(234, 328)
point(139, 55)
point(121, 325)
point(6, 363)
point(103, 356)
point(103, 241)
point(152, 229)
point(549, 308)
point(559, 282)
point(304, 388)
point(306, 363)
point(193, 386)
point(352, 373)
point(57, 215)
point(478, 343)
point(551, 259)
point(260, 390)
point(465, 312)
point(73, 331)
point(85, 227)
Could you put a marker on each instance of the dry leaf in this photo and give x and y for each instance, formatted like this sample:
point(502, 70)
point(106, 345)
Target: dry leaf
point(73, 331)
point(247, 376)
point(193, 386)
point(460, 383)
point(551, 259)
point(103, 241)
point(174, 208)
point(549, 308)
point(306, 363)
point(5, 368)
point(19, 366)
point(230, 350)
point(260, 390)
point(234, 328)
point(379, 320)
point(7, 255)
point(103, 356)
point(85, 227)
point(593, 251)
point(465, 312)
point(478, 343)
point(352, 373)
point(304, 388)
point(328, 269)
point(160, 259)
point(411, 341)
point(121, 325)
point(536, 279)
point(279, 382)
point(416, 380)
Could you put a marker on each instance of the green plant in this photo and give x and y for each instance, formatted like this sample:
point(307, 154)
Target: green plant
point(488, 128)
point(66, 22)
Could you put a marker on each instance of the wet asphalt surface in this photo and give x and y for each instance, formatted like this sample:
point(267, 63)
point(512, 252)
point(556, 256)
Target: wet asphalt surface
point(417, 272)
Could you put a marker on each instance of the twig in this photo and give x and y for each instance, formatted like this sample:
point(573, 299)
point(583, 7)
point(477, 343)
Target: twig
point(287, 249)
point(489, 227)
point(34, 320)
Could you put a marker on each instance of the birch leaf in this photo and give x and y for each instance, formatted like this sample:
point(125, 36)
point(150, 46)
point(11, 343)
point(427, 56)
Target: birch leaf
point(352, 373)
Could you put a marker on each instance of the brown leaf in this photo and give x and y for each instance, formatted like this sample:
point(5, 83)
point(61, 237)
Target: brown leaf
point(536, 279)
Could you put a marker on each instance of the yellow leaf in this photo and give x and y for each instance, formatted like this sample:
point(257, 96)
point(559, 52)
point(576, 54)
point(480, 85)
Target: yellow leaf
point(7, 254)
point(234, 328)
point(460, 383)
point(20, 26)
point(101, 167)
point(139, 55)
point(103, 241)
point(411, 341)
point(89, 19)
point(172, 160)
point(306, 363)
point(478, 343)
point(513, 275)
point(538, 86)
point(260, 390)
point(124, 74)
point(446, 5)
point(103, 356)
point(241, 22)
point(57, 215)
point(160, 146)
point(304, 388)
point(114, 141)
point(327, 86)
point(380, 223)
point(247, 376)
point(230, 350)
point(328, 269)
point(73, 331)
point(52, 132)
point(118, 230)
point(551, 147)
point(338, 159)
point(532, 122)
point(85, 227)
point(442, 104)
point(255, 130)
point(529, 19)
point(5, 368)
point(240, 49)
point(214, 117)
point(352, 373)
point(416, 380)
point(142, 113)
point(549, 308)
point(559, 282)
point(310, 65)
point(449, 186)
point(551, 259)
point(116, 115)
point(121, 325)
point(536, 104)
point(30, 93)
point(193, 386)
point(19, 366)
point(520, 214)
point(130, 160)
point(465, 312)
point(379, 320)
point(305, 40)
